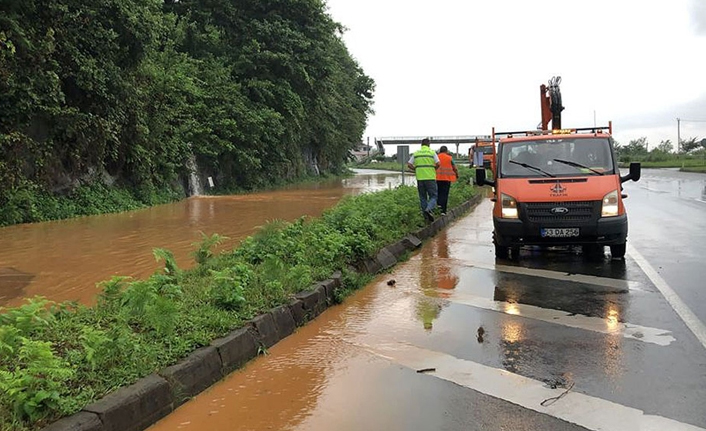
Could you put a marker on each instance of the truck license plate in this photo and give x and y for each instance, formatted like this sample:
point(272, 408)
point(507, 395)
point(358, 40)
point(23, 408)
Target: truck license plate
point(564, 232)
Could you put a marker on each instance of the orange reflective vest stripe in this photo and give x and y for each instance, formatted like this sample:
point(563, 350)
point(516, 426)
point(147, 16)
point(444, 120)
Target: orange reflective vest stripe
point(446, 170)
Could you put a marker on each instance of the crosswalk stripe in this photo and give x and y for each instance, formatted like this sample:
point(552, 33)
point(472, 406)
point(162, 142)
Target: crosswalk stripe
point(610, 325)
point(574, 407)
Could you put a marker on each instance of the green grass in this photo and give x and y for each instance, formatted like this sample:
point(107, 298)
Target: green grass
point(57, 358)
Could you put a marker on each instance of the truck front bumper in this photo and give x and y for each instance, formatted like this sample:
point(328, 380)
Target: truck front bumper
point(603, 231)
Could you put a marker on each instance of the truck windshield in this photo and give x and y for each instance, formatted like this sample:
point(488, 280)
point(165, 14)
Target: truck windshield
point(485, 149)
point(556, 157)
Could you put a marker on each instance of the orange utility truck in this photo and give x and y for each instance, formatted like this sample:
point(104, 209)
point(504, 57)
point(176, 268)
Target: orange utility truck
point(487, 147)
point(558, 186)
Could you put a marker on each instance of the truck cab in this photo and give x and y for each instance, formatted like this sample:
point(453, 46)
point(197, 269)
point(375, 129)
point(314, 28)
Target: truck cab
point(487, 147)
point(558, 187)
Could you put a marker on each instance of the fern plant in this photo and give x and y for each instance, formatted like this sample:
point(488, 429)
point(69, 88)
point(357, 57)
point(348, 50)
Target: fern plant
point(203, 253)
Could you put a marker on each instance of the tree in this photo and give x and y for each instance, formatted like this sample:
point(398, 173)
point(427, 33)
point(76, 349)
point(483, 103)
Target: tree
point(258, 90)
point(664, 147)
point(637, 147)
point(690, 144)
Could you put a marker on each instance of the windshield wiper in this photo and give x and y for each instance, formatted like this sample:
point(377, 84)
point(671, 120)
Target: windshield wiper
point(525, 165)
point(578, 165)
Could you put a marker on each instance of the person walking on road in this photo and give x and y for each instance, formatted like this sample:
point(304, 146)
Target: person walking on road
point(445, 175)
point(424, 162)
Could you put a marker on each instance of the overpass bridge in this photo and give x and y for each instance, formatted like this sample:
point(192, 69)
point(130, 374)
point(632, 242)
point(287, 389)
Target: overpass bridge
point(433, 140)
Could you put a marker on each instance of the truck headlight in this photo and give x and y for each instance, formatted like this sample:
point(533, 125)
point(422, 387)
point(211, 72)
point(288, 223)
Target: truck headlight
point(508, 206)
point(610, 204)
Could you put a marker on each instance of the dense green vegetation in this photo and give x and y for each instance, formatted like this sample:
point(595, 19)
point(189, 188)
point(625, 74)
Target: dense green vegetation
point(56, 358)
point(126, 93)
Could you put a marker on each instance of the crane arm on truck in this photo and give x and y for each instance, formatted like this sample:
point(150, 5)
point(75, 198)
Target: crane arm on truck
point(550, 100)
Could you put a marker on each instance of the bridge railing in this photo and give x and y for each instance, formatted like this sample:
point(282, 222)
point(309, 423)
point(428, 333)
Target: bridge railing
point(407, 140)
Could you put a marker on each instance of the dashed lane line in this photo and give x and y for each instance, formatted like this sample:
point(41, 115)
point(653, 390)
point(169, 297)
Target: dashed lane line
point(572, 406)
point(684, 312)
point(563, 276)
point(609, 325)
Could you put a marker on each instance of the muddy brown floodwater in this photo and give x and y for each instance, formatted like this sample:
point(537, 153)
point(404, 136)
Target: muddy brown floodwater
point(323, 377)
point(64, 260)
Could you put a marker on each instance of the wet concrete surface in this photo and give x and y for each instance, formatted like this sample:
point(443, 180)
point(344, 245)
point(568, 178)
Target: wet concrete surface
point(64, 260)
point(494, 339)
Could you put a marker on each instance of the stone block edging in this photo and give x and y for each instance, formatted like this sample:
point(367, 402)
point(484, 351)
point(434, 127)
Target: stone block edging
point(142, 404)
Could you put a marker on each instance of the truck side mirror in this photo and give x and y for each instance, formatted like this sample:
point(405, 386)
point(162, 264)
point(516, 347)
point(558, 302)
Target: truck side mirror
point(480, 178)
point(635, 170)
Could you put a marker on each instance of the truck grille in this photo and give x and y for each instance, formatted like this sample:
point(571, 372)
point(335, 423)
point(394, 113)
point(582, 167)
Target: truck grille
point(542, 212)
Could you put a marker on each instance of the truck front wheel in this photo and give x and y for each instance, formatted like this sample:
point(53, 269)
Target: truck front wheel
point(617, 251)
point(501, 252)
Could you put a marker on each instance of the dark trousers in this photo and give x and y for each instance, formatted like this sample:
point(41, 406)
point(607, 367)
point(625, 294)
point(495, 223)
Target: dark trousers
point(427, 194)
point(443, 187)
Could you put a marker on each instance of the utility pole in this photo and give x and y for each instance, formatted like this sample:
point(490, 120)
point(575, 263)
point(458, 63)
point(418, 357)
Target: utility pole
point(678, 134)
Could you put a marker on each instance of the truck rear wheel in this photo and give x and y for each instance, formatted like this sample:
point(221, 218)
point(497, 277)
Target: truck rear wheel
point(617, 251)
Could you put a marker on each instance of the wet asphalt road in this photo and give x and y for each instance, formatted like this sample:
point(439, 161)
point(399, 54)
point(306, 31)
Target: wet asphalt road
point(462, 341)
point(668, 226)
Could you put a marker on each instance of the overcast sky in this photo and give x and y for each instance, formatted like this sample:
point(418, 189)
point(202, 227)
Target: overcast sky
point(460, 67)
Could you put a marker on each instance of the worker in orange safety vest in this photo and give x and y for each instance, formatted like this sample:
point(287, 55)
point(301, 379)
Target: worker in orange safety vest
point(445, 175)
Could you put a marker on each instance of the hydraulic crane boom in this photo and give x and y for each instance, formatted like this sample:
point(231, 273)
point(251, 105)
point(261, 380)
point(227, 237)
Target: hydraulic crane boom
point(550, 101)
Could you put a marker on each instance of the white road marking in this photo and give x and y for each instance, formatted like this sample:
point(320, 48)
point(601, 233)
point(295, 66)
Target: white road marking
point(610, 325)
point(563, 276)
point(654, 190)
point(688, 316)
point(574, 407)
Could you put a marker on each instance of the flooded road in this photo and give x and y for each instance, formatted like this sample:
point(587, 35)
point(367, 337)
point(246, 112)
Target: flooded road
point(462, 341)
point(63, 260)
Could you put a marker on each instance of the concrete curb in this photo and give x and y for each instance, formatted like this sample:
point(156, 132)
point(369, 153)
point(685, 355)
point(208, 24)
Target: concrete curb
point(140, 405)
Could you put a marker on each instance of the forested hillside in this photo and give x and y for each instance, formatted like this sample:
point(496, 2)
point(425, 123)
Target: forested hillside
point(103, 104)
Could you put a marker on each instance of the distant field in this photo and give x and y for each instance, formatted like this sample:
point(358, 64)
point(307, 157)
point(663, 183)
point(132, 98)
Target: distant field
point(701, 169)
point(394, 166)
point(387, 166)
point(675, 163)
point(683, 163)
